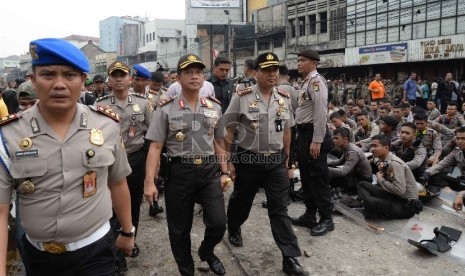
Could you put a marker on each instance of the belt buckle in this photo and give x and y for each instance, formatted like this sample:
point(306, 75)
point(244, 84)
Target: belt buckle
point(197, 161)
point(54, 247)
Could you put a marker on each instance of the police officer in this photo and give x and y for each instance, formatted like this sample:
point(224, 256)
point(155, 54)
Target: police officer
point(157, 93)
point(249, 75)
point(314, 143)
point(140, 80)
point(99, 86)
point(430, 138)
point(438, 176)
point(66, 162)
point(135, 114)
point(185, 125)
point(396, 195)
point(263, 117)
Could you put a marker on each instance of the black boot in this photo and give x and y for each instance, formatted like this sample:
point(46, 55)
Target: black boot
point(325, 225)
point(305, 221)
point(235, 237)
point(292, 267)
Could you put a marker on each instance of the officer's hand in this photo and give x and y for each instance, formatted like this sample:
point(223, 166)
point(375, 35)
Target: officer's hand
point(458, 202)
point(290, 173)
point(232, 171)
point(315, 150)
point(150, 191)
point(225, 181)
point(125, 244)
point(435, 161)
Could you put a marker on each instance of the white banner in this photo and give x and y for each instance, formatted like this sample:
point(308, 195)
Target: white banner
point(215, 3)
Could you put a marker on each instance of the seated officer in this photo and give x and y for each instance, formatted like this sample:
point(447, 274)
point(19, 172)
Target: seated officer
point(68, 167)
point(352, 167)
point(438, 177)
point(388, 127)
point(336, 122)
point(395, 196)
point(410, 150)
point(366, 130)
point(430, 138)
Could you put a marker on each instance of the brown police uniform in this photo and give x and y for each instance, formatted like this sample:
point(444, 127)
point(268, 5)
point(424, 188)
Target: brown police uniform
point(62, 185)
point(135, 116)
point(438, 175)
point(395, 196)
point(188, 133)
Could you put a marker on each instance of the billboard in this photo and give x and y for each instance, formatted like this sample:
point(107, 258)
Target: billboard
point(215, 3)
point(388, 53)
point(437, 48)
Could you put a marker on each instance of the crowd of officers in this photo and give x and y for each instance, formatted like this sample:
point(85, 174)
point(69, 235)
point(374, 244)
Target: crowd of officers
point(81, 170)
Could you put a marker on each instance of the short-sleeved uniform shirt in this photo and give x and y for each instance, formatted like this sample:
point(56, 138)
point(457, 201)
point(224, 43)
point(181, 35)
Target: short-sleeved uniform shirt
point(186, 130)
point(135, 115)
point(57, 209)
point(257, 120)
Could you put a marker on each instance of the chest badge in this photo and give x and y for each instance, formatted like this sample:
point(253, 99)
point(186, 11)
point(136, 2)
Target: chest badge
point(180, 136)
point(25, 143)
point(96, 137)
point(28, 187)
point(136, 108)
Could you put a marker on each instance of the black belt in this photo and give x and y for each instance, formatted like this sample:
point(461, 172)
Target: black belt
point(193, 159)
point(305, 127)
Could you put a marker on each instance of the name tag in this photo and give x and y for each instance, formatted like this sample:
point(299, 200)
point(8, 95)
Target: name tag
point(27, 153)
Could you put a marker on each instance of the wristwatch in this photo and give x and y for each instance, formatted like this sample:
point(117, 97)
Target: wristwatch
point(126, 234)
point(225, 173)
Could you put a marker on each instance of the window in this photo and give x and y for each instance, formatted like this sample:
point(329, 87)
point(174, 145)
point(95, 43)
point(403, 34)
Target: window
point(323, 22)
point(312, 23)
point(292, 26)
point(302, 26)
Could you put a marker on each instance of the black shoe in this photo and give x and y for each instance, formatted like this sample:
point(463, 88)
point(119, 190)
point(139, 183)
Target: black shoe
point(323, 227)
point(235, 237)
point(121, 264)
point(155, 209)
point(292, 267)
point(265, 204)
point(304, 221)
point(216, 266)
point(135, 251)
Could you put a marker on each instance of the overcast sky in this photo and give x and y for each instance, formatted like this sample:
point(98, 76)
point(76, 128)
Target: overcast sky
point(23, 21)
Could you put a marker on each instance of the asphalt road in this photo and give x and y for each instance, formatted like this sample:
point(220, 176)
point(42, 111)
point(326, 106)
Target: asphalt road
point(351, 249)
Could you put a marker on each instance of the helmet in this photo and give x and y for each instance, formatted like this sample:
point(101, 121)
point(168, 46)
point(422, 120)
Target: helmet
point(421, 189)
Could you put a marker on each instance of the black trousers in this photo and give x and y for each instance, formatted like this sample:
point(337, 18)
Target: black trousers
point(314, 173)
point(136, 183)
point(186, 184)
point(273, 176)
point(440, 180)
point(380, 203)
point(95, 259)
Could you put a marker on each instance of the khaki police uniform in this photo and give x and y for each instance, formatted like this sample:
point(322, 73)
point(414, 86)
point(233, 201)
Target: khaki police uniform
point(188, 135)
point(351, 168)
point(260, 160)
point(310, 117)
point(58, 210)
point(438, 174)
point(135, 116)
point(414, 157)
point(395, 196)
point(156, 97)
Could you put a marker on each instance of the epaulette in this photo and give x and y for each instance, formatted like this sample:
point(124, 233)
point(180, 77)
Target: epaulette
point(244, 91)
point(139, 95)
point(283, 93)
point(102, 98)
point(107, 111)
point(214, 99)
point(166, 101)
point(8, 119)
point(153, 92)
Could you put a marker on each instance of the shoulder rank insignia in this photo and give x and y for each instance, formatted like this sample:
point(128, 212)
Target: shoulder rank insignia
point(139, 95)
point(102, 98)
point(283, 93)
point(107, 111)
point(8, 119)
point(166, 101)
point(244, 92)
point(214, 99)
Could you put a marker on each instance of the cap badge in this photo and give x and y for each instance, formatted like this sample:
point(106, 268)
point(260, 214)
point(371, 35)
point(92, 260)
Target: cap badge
point(33, 51)
point(269, 57)
point(191, 58)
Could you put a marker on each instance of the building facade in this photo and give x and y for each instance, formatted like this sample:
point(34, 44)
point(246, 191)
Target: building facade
point(398, 36)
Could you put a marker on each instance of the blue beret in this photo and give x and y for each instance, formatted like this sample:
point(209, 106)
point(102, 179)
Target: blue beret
point(54, 51)
point(141, 72)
